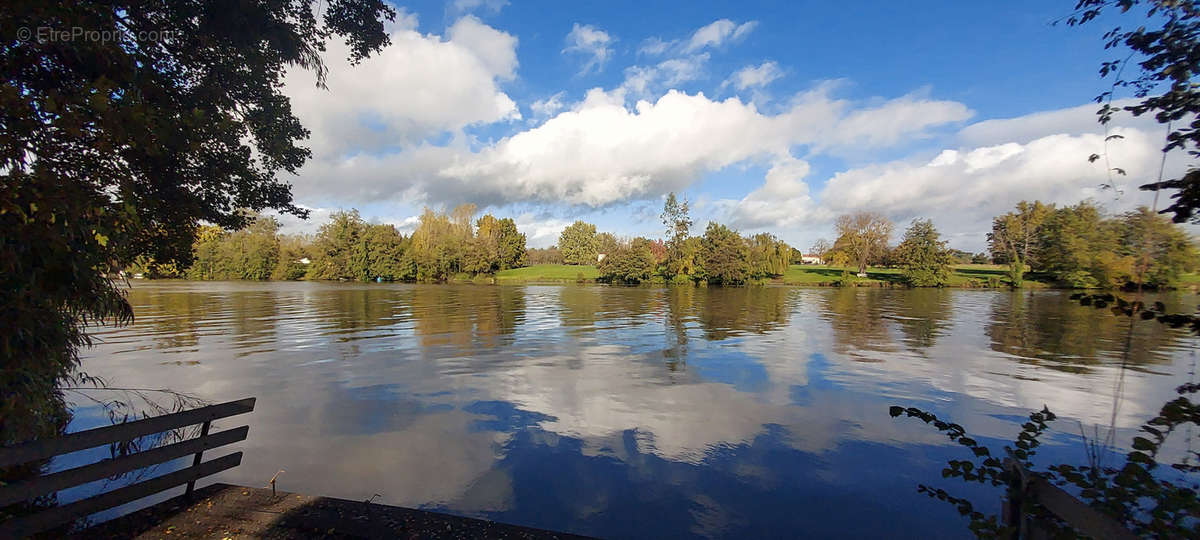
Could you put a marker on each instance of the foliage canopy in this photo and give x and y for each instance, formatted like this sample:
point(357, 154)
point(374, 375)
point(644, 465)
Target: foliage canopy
point(118, 148)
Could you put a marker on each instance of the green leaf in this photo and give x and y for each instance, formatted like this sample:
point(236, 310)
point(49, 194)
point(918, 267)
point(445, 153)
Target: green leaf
point(1138, 457)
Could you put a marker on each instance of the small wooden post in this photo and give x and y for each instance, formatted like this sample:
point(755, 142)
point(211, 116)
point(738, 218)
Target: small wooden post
point(196, 460)
point(1018, 512)
point(1013, 507)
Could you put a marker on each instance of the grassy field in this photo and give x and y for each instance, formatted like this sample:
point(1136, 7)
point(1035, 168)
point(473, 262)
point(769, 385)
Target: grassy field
point(964, 274)
point(795, 275)
point(557, 273)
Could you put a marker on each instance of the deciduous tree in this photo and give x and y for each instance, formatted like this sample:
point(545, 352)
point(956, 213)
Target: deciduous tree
point(120, 147)
point(820, 248)
point(681, 259)
point(549, 255)
point(606, 243)
point(1162, 251)
point(1078, 246)
point(726, 255)
point(1014, 236)
point(863, 237)
point(924, 256)
point(578, 243)
point(335, 245)
point(629, 263)
point(769, 256)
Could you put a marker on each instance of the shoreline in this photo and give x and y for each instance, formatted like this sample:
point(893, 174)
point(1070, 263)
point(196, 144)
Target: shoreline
point(865, 283)
point(966, 276)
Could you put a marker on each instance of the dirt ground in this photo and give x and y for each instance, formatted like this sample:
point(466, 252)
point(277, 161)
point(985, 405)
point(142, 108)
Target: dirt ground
point(227, 511)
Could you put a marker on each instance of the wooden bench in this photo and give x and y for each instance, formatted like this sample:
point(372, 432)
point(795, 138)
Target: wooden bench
point(1081, 517)
point(38, 450)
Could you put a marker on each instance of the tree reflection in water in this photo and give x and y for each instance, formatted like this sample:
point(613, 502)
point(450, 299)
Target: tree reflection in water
point(1044, 330)
point(621, 411)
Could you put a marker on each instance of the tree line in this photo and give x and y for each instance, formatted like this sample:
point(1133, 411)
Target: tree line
point(1079, 246)
point(348, 248)
point(1074, 246)
point(721, 256)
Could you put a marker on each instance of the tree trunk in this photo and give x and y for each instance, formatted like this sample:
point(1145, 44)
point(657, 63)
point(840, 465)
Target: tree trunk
point(1016, 271)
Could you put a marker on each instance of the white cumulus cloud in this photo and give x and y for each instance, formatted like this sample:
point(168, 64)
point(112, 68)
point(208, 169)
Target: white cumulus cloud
point(646, 81)
point(754, 76)
point(591, 42)
point(965, 188)
point(962, 188)
point(418, 87)
point(603, 152)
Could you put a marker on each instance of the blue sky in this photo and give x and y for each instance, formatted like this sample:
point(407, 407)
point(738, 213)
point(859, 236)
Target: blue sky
point(772, 116)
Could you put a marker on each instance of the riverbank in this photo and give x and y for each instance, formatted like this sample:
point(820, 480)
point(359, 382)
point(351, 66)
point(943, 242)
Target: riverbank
point(963, 275)
point(967, 276)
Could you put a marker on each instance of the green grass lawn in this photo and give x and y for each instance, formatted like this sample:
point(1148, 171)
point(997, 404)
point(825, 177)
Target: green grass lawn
point(547, 272)
point(963, 273)
point(796, 275)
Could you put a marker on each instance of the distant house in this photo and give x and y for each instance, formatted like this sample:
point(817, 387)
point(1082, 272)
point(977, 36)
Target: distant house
point(304, 260)
point(600, 257)
point(811, 259)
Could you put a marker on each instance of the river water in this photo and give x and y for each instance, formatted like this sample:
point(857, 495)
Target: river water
point(639, 412)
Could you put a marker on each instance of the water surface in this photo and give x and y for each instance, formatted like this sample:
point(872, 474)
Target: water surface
point(638, 412)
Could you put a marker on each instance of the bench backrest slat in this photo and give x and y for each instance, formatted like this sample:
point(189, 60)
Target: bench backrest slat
point(1071, 510)
point(47, 448)
point(50, 483)
point(51, 517)
point(1082, 517)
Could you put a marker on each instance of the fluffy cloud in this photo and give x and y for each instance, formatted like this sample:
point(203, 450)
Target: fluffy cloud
point(754, 76)
point(602, 152)
point(1073, 120)
point(591, 42)
point(497, 50)
point(783, 201)
point(645, 81)
point(540, 233)
point(962, 188)
point(290, 224)
point(420, 86)
point(959, 186)
point(372, 141)
point(718, 33)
